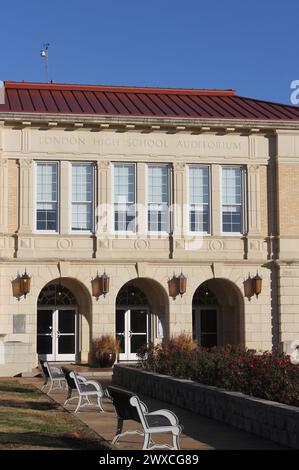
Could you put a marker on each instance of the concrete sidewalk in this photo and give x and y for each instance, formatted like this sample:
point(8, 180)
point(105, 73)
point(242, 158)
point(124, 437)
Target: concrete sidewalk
point(199, 432)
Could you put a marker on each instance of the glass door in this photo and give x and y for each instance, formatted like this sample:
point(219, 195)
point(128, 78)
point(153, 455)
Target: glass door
point(132, 331)
point(206, 326)
point(45, 345)
point(120, 332)
point(57, 334)
point(138, 331)
point(66, 335)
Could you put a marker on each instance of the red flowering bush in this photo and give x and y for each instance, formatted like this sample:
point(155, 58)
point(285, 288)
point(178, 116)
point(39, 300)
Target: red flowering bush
point(269, 375)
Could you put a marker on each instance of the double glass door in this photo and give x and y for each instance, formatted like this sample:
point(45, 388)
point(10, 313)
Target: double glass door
point(132, 331)
point(57, 333)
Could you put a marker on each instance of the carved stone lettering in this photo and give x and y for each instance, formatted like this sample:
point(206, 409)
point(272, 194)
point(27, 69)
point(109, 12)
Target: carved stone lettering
point(135, 143)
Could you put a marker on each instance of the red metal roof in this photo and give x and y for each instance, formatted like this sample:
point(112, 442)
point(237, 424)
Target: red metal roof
point(44, 98)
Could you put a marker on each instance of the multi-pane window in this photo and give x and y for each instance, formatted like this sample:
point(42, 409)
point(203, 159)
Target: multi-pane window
point(47, 196)
point(124, 198)
point(199, 197)
point(158, 198)
point(232, 199)
point(82, 196)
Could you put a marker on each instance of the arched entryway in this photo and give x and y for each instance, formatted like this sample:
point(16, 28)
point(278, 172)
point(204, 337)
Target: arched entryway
point(62, 321)
point(141, 311)
point(218, 314)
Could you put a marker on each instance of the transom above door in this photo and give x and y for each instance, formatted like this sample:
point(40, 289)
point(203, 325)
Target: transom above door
point(132, 330)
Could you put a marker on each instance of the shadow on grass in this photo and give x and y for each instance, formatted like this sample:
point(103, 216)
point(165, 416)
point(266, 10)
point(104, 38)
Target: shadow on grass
point(15, 388)
point(33, 439)
point(33, 405)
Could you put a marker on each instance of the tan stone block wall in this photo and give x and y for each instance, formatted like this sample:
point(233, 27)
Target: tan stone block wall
point(289, 303)
point(98, 317)
point(12, 196)
point(288, 201)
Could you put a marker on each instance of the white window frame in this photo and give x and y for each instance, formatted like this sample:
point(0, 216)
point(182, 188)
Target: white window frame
point(169, 181)
point(196, 165)
point(243, 203)
point(35, 202)
point(123, 232)
point(93, 201)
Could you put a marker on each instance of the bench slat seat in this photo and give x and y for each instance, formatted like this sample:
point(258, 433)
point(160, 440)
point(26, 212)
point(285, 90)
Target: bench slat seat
point(153, 421)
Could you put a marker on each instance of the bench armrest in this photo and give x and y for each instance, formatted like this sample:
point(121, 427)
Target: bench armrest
point(134, 400)
point(167, 414)
point(81, 378)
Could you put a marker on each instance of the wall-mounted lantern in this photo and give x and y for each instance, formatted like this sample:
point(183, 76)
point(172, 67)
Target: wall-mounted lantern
point(252, 286)
point(21, 285)
point(182, 284)
point(257, 285)
point(172, 287)
point(100, 285)
point(177, 285)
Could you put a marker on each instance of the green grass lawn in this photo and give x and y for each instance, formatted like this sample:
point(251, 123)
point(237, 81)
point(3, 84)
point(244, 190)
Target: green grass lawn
point(31, 420)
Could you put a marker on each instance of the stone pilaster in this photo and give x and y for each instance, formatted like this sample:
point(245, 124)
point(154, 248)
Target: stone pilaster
point(255, 247)
point(215, 183)
point(254, 200)
point(104, 203)
point(26, 196)
point(179, 188)
point(3, 195)
point(1, 136)
point(141, 179)
point(65, 199)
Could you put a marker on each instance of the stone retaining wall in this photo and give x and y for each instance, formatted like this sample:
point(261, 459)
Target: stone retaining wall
point(270, 420)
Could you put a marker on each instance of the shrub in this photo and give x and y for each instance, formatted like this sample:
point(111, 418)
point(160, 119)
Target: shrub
point(104, 344)
point(268, 375)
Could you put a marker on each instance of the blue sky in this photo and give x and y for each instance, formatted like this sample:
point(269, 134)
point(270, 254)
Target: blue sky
point(250, 46)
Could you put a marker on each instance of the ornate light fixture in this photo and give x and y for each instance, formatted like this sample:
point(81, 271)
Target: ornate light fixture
point(257, 284)
point(172, 287)
point(21, 285)
point(177, 285)
point(252, 286)
point(182, 284)
point(100, 285)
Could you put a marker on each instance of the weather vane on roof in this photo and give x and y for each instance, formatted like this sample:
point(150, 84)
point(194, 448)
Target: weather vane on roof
point(45, 54)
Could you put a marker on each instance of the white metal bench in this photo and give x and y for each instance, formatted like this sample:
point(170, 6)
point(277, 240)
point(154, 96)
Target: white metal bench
point(128, 406)
point(54, 375)
point(86, 389)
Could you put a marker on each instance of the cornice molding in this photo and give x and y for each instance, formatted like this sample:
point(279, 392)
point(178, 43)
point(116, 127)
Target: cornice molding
point(198, 125)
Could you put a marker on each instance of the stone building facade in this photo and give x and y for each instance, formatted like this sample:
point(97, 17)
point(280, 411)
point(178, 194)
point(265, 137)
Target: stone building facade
point(143, 183)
